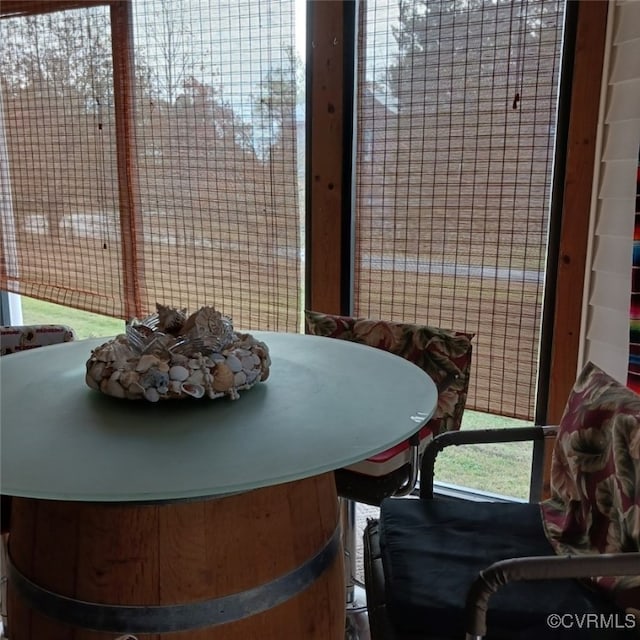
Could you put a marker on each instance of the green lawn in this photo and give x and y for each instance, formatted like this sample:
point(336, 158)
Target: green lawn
point(502, 468)
point(86, 325)
point(499, 468)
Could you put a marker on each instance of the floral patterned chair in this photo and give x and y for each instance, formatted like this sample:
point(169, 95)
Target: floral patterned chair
point(446, 357)
point(20, 338)
point(568, 567)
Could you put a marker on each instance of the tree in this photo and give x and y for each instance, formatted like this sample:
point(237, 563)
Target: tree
point(441, 40)
point(170, 49)
point(281, 91)
point(60, 53)
point(469, 88)
point(58, 79)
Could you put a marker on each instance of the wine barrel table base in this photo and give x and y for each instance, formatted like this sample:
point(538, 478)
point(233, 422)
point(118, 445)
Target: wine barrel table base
point(254, 549)
point(192, 507)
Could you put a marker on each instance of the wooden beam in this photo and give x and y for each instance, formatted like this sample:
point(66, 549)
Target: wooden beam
point(579, 175)
point(13, 8)
point(583, 125)
point(129, 196)
point(326, 274)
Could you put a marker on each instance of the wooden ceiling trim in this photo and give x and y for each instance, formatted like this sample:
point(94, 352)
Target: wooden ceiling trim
point(14, 8)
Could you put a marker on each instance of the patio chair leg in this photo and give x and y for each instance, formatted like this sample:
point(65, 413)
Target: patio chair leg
point(357, 622)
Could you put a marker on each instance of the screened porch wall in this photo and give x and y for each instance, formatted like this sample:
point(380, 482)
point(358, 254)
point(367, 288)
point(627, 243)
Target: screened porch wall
point(456, 120)
point(153, 155)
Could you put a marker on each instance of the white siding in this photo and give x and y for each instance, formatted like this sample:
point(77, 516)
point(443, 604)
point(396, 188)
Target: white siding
point(606, 310)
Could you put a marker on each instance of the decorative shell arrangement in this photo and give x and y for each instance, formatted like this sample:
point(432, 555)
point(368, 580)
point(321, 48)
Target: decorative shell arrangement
point(171, 354)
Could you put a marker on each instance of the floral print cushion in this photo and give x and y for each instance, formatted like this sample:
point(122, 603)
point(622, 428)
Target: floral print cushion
point(595, 475)
point(444, 355)
point(24, 337)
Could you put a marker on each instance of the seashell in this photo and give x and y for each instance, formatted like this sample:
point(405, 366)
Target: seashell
point(114, 352)
point(164, 367)
point(135, 394)
point(244, 340)
point(101, 355)
point(197, 377)
point(114, 388)
point(127, 378)
point(252, 376)
point(122, 353)
point(210, 324)
point(248, 362)
point(175, 386)
point(212, 395)
point(239, 378)
point(170, 320)
point(151, 395)
point(178, 373)
point(222, 378)
point(218, 357)
point(155, 378)
point(265, 374)
point(194, 390)
point(91, 382)
point(234, 363)
point(146, 362)
point(135, 390)
point(262, 351)
point(96, 370)
point(179, 359)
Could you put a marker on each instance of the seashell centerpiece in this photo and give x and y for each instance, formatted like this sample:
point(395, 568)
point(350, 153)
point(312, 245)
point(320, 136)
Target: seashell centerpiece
point(170, 354)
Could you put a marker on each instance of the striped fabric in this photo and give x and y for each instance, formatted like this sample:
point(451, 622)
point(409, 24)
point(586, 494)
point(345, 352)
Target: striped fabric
point(633, 378)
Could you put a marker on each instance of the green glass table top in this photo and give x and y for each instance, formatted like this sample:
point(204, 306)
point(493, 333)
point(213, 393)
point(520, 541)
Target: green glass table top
point(327, 404)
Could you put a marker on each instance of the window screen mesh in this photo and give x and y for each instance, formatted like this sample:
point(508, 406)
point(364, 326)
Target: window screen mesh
point(456, 120)
point(59, 186)
point(214, 159)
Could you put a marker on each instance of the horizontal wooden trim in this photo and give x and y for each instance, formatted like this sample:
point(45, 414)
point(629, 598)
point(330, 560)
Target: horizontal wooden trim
point(13, 8)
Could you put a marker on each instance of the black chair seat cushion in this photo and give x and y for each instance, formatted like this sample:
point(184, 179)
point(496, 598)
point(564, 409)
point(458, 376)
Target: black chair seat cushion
point(432, 550)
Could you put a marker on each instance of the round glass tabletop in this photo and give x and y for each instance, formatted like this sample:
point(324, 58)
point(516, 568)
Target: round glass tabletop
point(327, 404)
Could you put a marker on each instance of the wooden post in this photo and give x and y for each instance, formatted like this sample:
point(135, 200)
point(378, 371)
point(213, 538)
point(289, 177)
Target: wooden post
point(581, 145)
point(130, 211)
point(328, 277)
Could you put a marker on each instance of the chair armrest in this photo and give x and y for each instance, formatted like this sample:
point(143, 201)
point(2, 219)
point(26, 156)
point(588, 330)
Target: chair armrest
point(481, 436)
point(539, 568)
